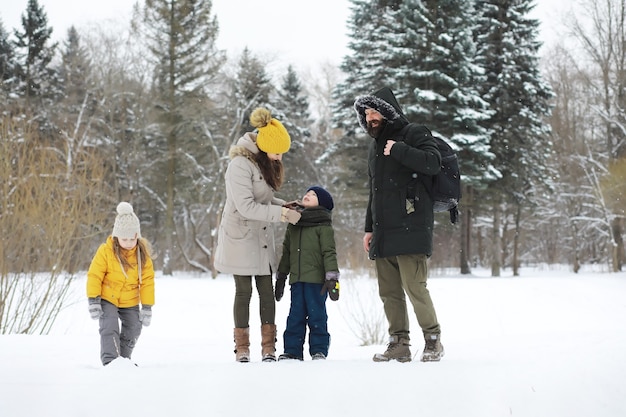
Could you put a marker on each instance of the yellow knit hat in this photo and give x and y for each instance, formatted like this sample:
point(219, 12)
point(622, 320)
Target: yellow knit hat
point(272, 137)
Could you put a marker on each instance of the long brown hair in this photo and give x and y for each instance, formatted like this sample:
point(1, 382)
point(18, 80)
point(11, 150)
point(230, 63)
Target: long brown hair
point(272, 171)
point(144, 252)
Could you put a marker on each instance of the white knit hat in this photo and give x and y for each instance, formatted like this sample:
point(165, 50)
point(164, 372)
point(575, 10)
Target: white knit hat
point(126, 223)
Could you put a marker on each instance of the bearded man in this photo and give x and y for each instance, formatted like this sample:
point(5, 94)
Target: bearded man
point(399, 220)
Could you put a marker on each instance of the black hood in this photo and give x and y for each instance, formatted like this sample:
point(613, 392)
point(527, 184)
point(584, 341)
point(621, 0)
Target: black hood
point(384, 102)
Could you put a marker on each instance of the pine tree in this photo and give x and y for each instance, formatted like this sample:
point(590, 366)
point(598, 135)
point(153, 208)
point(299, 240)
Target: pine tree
point(75, 71)
point(300, 170)
point(293, 100)
point(38, 79)
point(75, 105)
point(520, 99)
point(251, 88)
point(7, 67)
point(517, 94)
point(180, 36)
point(439, 81)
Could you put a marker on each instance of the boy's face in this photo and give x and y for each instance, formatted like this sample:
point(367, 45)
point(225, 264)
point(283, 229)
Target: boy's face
point(310, 199)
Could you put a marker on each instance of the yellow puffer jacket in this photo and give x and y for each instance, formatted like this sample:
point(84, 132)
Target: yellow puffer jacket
point(106, 279)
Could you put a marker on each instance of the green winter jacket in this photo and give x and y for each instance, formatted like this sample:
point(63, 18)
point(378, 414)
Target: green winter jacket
point(309, 247)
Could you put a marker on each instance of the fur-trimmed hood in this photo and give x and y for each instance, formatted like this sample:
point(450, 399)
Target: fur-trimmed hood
point(384, 102)
point(246, 147)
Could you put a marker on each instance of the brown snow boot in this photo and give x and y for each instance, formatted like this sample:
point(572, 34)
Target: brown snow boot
point(433, 349)
point(397, 349)
point(242, 344)
point(268, 342)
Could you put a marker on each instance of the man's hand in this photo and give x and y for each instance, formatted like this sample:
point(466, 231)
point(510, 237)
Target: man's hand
point(388, 147)
point(367, 239)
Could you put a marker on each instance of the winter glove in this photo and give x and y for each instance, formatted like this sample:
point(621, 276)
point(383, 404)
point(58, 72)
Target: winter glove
point(95, 308)
point(145, 315)
point(332, 285)
point(295, 204)
point(281, 279)
point(289, 215)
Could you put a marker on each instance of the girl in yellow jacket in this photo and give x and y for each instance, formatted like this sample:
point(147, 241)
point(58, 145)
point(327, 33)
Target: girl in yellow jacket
point(119, 281)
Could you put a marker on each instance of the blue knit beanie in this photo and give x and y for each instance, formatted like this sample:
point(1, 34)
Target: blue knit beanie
point(323, 197)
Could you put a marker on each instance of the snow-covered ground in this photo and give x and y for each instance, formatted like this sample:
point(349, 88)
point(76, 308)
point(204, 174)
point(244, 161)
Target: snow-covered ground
point(549, 343)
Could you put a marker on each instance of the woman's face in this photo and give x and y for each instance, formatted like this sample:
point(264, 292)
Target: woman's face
point(275, 156)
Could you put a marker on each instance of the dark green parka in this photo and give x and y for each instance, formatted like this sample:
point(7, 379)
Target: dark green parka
point(400, 209)
point(309, 247)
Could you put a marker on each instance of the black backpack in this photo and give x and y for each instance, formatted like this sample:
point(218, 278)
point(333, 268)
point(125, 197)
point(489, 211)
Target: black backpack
point(445, 187)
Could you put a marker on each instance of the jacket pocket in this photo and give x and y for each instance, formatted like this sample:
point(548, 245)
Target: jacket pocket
point(235, 230)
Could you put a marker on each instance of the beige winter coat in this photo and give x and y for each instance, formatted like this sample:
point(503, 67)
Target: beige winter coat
point(245, 241)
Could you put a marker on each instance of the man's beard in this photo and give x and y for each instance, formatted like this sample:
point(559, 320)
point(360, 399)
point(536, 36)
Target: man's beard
point(375, 131)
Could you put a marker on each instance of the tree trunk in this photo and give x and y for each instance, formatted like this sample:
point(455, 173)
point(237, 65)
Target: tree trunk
point(218, 221)
point(465, 219)
point(169, 210)
point(576, 260)
point(618, 245)
point(516, 265)
point(496, 242)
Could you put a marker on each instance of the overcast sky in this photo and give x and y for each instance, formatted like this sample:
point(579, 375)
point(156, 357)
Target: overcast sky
point(301, 33)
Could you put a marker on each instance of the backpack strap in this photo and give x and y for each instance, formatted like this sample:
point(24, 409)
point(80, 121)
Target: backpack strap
point(426, 180)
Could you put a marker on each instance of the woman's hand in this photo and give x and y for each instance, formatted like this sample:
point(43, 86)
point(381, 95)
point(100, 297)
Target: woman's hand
point(293, 204)
point(289, 215)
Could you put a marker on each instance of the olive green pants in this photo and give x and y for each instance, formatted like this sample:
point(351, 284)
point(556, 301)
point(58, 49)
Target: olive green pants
point(243, 294)
point(401, 276)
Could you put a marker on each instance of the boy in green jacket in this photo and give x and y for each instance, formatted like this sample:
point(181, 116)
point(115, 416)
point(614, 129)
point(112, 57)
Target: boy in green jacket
point(310, 259)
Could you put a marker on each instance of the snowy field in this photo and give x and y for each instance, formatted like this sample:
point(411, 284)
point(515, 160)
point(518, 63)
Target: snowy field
point(546, 344)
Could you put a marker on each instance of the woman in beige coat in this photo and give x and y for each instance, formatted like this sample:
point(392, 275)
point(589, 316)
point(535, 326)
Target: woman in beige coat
point(245, 243)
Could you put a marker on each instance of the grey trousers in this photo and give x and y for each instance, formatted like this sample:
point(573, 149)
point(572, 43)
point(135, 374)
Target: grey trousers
point(402, 274)
point(113, 342)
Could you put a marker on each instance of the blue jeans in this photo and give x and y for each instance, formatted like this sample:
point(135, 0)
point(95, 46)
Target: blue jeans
point(308, 308)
